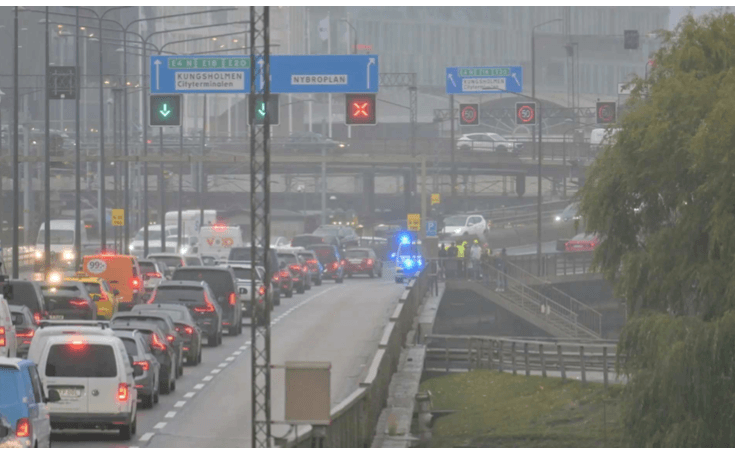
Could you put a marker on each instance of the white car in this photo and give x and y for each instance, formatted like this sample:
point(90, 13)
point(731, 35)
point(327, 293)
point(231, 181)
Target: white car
point(245, 285)
point(95, 379)
point(487, 141)
point(571, 212)
point(8, 343)
point(409, 261)
point(463, 226)
point(154, 240)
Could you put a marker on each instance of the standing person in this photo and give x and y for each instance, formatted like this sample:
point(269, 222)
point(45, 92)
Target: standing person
point(503, 270)
point(442, 257)
point(452, 260)
point(475, 254)
point(460, 255)
point(485, 260)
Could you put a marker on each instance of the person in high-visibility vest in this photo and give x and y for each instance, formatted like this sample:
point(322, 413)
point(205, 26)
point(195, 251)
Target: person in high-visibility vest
point(460, 254)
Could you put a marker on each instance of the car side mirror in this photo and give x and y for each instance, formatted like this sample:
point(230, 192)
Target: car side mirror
point(7, 291)
point(137, 371)
point(4, 431)
point(53, 397)
point(116, 292)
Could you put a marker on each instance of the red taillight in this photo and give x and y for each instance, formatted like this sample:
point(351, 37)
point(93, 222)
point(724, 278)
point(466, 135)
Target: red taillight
point(342, 262)
point(311, 261)
point(23, 428)
point(284, 274)
point(79, 303)
point(306, 268)
point(189, 330)
point(37, 317)
point(103, 296)
point(154, 276)
point(122, 392)
point(25, 333)
point(149, 141)
point(208, 306)
point(156, 343)
point(294, 268)
point(261, 290)
point(134, 282)
point(77, 344)
point(170, 338)
point(143, 364)
point(335, 265)
point(369, 261)
point(233, 299)
point(276, 277)
point(153, 298)
point(2, 336)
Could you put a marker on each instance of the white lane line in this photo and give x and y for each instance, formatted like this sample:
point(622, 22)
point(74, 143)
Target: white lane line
point(189, 394)
point(229, 359)
point(198, 386)
point(170, 414)
point(145, 437)
point(207, 378)
point(180, 403)
point(237, 353)
point(215, 371)
point(222, 365)
point(160, 425)
point(242, 348)
point(297, 306)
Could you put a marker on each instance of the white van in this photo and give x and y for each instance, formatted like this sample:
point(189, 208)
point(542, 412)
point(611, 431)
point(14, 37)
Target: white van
point(63, 240)
point(190, 220)
point(8, 344)
point(217, 240)
point(51, 328)
point(601, 137)
point(95, 379)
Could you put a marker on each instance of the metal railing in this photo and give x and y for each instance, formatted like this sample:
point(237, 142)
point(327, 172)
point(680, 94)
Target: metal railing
point(555, 264)
point(353, 421)
point(586, 316)
point(525, 210)
point(451, 353)
point(26, 257)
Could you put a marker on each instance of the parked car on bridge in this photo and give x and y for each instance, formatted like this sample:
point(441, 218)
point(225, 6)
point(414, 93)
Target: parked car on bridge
point(487, 141)
point(311, 142)
point(463, 226)
point(582, 242)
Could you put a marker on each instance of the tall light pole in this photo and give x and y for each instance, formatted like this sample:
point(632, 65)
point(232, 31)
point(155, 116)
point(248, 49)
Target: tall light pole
point(540, 130)
point(47, 161)
point(16, 114)
point(354, 30)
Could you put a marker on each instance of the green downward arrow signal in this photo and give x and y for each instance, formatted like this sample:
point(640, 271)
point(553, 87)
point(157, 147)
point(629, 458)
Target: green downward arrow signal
point(261, 110)
point(165, 111)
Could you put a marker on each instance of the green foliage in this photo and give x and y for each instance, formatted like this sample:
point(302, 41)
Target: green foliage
point(674, 160)
point(682, 387)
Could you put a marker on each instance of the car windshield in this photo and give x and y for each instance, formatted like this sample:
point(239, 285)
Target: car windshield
point(455, 221)
point(81, 361)
point(49, 289)
point(357, 254)
point(130, 346)
point(93, 287)
point(498, 138)
point(243, 273)
point(162, 324)
point(219, 281)
point(303, 241)
point(146, 267)
point(170, 262)
point(289, 258)
point(411, 250)
point(306, 255)
point(325, 254)
point(153, 235)
point(179, 294)
point(57, 236)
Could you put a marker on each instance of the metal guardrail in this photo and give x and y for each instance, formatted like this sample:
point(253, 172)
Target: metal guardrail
point(25, 258)
point(528, 209)
point(447, 353)
point(555, 264)
point(353, 421)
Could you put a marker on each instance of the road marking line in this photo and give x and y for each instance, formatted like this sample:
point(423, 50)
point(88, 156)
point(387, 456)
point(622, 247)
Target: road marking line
point(170, 414)
point(229, 359)
point(160, 425)
point(215, 371)
point(189, 394)
point(207, 378)
point(237, 353)
point(198, 386)
point(146, 436)
point(180, 403)
point(242, 348)
point(222, 365)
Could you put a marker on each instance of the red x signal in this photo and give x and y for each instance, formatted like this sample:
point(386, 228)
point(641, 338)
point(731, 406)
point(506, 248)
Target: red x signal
point(360, 109)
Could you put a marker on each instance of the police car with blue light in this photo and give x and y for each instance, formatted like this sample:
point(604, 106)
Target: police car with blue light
point(409, 258)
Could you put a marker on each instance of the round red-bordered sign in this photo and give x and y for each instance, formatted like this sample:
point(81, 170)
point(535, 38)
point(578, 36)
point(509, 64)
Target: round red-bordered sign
point(469, 115)
point(526, 113)
point(606, 113)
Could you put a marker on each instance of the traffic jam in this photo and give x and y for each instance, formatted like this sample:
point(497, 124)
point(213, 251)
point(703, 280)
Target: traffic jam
point(86, 349)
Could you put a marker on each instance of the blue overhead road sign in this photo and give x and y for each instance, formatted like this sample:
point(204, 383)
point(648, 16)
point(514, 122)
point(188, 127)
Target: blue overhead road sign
point(484, 80)
point(352, 73)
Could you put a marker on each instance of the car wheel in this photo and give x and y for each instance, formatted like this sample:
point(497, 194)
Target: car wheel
point(157, 393)
point(199, 356)
point(134, 429)
point(340, 280)
point(219, 338)
point(164, 385)
point(319, 282)
point(277, 299)
point(212, 340)
point(239, 329)
point(372, 274)
point(126, 432)
point(399, 280)
point(147, 401)
point(501, 149)
point(173, 385)
point(380, 273)
point(349, 276)
point(300, 289)
point(289, 293)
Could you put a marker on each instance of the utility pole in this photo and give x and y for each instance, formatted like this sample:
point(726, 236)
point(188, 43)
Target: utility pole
point(47, 162)
point(16, 175)
point(452, 147)
point(77, 152)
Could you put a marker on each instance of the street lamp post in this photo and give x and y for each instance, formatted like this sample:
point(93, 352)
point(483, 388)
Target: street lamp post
point(16, 114)
point(540, 131)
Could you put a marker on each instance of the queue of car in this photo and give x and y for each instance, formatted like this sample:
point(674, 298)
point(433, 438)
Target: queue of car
point(86, 351)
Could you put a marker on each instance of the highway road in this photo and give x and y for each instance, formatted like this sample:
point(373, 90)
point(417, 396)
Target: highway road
point(339, 323)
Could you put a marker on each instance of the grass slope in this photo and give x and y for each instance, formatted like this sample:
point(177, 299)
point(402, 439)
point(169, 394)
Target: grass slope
point(501, 410)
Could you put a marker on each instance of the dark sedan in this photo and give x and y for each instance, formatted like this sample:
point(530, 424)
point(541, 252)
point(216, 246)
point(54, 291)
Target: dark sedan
point(186, 326)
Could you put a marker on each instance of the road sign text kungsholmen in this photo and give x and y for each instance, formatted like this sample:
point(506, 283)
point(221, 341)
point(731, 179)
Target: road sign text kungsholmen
point(352, 73)
point(484, 80)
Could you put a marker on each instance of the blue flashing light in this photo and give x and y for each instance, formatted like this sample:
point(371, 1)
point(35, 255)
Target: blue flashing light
point(392, 255)
point(408, 263)
point(405, 239)
point(419, 262)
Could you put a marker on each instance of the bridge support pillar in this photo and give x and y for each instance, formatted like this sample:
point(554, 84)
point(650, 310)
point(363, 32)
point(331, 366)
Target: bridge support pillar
point(407, 191)
point(368, 191)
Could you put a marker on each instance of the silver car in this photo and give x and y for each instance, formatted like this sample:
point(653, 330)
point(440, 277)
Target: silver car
point(141, 356)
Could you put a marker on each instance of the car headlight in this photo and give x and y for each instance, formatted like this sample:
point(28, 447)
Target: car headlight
point(341, 145)
point(39, 255)
point(458, 230)
point(557, 218)
point(54, 277)
point(67, 255)
point(184, 250)
point(131, 247)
